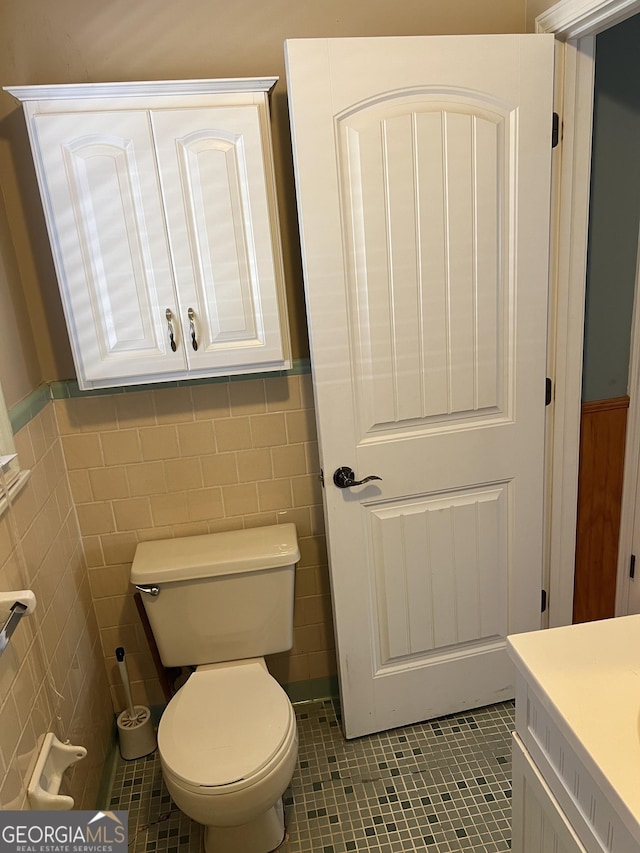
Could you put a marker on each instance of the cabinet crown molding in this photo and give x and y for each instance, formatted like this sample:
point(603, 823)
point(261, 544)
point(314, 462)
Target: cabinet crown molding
point(231, 85)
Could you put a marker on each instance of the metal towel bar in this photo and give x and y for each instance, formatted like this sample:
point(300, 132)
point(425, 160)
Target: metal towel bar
point(24, 601)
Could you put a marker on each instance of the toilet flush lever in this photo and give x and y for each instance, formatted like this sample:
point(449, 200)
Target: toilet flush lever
point(150, 590)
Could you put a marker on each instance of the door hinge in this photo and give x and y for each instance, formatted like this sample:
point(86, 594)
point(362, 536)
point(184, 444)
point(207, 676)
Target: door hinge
point(543, 600)
point(548, 391)
point(555, 130)
point(322, 478)
point(632, 566)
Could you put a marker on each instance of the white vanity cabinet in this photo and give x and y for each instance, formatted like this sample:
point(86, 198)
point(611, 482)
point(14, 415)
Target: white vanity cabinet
point(160, 205)
point(576, 748)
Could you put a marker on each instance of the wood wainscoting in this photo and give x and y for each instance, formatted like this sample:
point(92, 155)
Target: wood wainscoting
point(602, 442)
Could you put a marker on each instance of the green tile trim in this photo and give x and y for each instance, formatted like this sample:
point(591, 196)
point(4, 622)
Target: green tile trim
point(314, 688)
point(69, 387)
point(108, 769)
point(27, 409)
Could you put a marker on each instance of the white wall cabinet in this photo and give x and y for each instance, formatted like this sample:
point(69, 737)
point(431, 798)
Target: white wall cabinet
point(160, 205)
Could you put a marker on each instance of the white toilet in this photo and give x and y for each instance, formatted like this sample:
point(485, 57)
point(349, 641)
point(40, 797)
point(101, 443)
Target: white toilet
point(228, 740)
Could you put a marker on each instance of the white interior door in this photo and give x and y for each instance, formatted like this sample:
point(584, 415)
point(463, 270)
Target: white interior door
point(422, 171)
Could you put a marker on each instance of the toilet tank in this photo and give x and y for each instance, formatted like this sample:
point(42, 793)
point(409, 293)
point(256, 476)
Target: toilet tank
point(221, 596)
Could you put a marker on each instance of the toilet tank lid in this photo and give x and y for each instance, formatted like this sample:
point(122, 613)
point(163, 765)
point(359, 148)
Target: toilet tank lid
point(191, 557)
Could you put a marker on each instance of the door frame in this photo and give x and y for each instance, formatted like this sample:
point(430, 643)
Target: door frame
point(631, 473)
point(575, 23)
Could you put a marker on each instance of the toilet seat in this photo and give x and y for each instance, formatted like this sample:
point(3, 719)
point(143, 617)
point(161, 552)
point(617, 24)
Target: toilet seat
point(225, 726)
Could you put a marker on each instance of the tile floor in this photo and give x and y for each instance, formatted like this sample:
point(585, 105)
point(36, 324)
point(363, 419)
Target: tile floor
point(438, 786)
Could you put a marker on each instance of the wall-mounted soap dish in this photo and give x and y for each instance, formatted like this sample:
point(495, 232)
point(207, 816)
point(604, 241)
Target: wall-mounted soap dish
point(44, 787)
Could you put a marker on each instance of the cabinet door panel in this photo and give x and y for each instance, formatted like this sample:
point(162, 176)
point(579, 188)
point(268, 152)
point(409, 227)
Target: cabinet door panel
point(215, 194)
point(538, 824)
point(109, 241)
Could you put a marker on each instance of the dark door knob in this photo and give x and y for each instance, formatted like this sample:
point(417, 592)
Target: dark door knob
point(345, 477)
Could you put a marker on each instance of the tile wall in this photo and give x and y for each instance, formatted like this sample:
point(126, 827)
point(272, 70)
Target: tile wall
point(164, 462)
point(51, 673)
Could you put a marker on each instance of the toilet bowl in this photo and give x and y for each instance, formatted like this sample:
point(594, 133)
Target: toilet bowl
point(228, 739)
point(228, 746)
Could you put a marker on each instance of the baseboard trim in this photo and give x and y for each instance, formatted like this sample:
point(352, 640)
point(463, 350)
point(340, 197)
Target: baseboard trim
point(103, 797)
point(313, 689)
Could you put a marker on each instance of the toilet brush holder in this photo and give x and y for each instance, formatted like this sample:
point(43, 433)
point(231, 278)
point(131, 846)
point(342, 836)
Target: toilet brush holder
point(135, 727)
point(136, 732)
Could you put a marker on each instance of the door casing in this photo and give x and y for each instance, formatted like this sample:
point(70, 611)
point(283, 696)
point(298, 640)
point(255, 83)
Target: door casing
point(576, 24)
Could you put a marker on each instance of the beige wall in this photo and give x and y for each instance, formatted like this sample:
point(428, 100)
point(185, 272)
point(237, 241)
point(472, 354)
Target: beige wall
point(185, 461)
point(51, 673)
point(533, 9)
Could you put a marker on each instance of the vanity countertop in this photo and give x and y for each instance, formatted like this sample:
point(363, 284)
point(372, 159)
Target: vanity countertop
point(588, 678)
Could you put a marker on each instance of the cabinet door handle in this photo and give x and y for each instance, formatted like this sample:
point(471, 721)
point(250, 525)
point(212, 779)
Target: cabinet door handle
point(192, 328)
point(172, 340)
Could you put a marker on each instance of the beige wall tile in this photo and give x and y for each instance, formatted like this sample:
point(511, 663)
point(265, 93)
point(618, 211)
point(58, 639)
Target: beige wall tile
point(240, 500)
point(196, 439)
point(63, 621)
point(122, 635)
point(247, 397)
point(146, 478)
point(233, 434)
point(205, 504)
point(210, 401)
point(289, 668)
point(121, 447)
point(313, 551)
point(307, 490)
point(93, 551)
point(312, 457)
point(306, 582)
point(219, 469)
point(283, 393)
point(110, 580)
point(80, 486)
point(118, 547)
point(132, 514)
point(86, 414)
point(82, 451)
point(190, 528)
point(183, 474)
point(135, 409)
point(306, 391)
point(24, 449)
point(95, 518)
point(173, 405)
point(309, 638)
point(316, 514)
point(169, 509)
point(299, 516)
point(260, 519)
point(254, 465)
point(274, 494)
point(289, 460)
point(159, 443)
point(301, 426)
point(10, 730)
point(268, 430)
point(108, 483)
point(322, 664)
point(262, 473)
point(316, 608)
